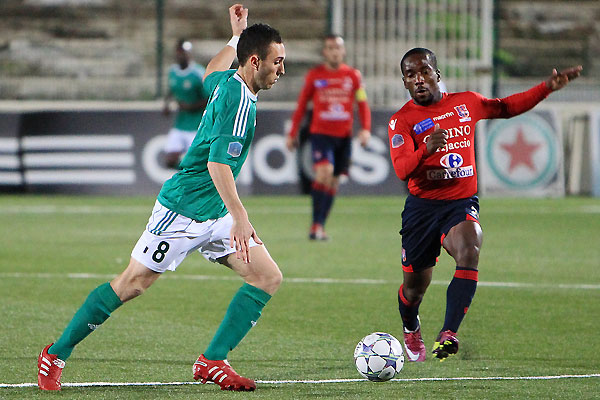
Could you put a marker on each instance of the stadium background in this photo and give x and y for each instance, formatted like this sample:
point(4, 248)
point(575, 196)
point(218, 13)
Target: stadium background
point(82, 81)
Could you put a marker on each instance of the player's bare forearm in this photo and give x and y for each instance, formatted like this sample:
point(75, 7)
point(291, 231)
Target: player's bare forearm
point(241, 229)
point(224, 181)
point(238, 16)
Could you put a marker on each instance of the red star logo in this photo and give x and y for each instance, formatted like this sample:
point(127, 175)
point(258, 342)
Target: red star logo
point(521, 152)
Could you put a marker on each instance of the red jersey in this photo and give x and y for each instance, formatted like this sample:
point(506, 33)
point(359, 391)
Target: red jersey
point(332, 93)
point(450, 172)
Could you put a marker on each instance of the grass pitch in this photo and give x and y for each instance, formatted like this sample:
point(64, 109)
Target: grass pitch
point(535, 313)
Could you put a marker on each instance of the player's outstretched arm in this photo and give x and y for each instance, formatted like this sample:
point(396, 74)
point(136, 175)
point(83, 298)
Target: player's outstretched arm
point(238, 16)
point(559, 80)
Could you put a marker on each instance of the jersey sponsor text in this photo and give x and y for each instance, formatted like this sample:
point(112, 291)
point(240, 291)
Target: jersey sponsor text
point(450, 173)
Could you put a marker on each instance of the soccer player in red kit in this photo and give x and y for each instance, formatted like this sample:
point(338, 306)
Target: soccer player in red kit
point(333, 87)
point(432, 146)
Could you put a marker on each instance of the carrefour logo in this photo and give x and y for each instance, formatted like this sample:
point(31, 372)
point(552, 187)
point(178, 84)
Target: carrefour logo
point(522, 152)
point(451, 160)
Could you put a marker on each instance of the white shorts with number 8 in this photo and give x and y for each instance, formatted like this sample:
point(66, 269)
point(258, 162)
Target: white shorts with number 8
point(169, 237)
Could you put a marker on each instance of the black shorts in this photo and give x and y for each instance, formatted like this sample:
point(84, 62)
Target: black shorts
point(333, 150)
point(425, 224)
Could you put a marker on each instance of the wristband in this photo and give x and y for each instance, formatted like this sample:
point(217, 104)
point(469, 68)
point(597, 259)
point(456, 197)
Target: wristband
point(233, 42)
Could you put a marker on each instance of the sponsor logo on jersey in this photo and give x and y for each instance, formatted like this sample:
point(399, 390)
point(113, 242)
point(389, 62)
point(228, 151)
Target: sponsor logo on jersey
point(443, 116)
point(450, 173)
point(393, 124)
point(321, 83)
point(423, 126)
point(397, 140)
point(463, 113)
point(347, 83)
point(336, 112)
point(234, 149)
point(451, 160)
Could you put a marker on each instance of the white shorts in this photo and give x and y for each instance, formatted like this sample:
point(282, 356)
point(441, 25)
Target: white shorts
point(179, 141)
point(169, 237)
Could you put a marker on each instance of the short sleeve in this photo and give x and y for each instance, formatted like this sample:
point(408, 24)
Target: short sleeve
point(226, 150)
point(212, 80)
point(228, 140)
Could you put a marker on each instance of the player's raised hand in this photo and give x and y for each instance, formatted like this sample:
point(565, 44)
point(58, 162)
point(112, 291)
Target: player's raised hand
point(559, 80)
point(437, 139)
point(238, 15)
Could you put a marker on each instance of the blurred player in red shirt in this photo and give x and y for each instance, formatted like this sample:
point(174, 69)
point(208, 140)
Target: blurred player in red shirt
point(432, 146)
point(333, 87)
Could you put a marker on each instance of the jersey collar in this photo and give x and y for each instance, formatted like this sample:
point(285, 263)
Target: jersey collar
point(238, 78)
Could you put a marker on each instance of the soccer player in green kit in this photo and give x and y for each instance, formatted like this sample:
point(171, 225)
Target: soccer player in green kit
point(186, 86)
point(199, 209)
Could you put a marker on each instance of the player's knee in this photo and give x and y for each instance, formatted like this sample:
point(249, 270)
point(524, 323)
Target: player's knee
point(468, 256)
point(269, 281)
point(273, 280)
point(413, 295)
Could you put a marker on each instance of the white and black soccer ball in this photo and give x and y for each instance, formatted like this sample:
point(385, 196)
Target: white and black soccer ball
point(379, 357)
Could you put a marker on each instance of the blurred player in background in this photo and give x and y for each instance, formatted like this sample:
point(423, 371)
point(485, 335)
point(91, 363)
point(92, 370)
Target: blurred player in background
point(432, 146)
point(187, 88)
point(333, 87)
point(199, 209)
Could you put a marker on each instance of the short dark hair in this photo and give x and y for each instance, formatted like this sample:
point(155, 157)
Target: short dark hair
point(419, 50)
point(256, 39)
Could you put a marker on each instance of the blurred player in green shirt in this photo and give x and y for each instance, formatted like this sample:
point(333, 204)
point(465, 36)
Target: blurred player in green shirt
point(186, 86)
point(199, 209)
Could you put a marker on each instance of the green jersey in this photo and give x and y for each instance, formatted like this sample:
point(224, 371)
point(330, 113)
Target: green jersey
point(186, 86)
point(224, 136)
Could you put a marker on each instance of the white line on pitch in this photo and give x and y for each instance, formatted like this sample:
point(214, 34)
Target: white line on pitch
point(44, 275)
point(281, 382)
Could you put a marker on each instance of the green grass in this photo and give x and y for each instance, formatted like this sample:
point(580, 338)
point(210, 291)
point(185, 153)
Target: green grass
point(308, 330)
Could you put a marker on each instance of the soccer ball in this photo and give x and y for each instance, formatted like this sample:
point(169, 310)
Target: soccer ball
point(379, 357)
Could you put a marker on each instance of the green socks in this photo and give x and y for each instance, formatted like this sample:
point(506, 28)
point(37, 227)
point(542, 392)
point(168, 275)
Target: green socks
point(243, 312)
point(95, 310)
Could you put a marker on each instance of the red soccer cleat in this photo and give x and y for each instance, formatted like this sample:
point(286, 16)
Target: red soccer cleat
point(50, 368)
point(445, 345)
point(221, 373)
point(415, 348)
point(317, 233)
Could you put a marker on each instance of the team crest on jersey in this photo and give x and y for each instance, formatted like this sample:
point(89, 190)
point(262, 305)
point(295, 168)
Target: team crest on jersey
point(397, 140)
point(234, 149)
point(423, 126)
point(320, 83)
point(463, 113)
